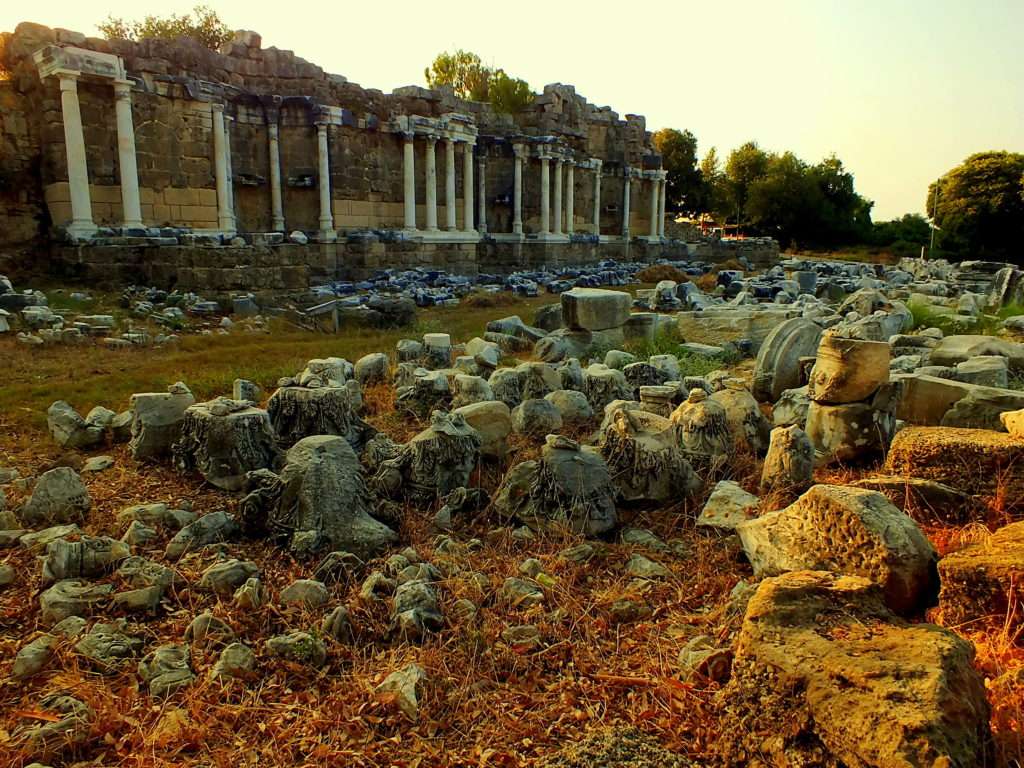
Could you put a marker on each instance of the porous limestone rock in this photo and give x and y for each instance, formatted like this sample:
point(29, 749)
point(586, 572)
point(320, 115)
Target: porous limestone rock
point(72, 598)
point(59, 496)
point(645, 459)
point(416, 611)
point(825, 675)
point(788, 467)
point(573, 406)
point(846, 530)
point(791, 408)
point(108, 646)
point(70, 729)
point(569, 485)
point(225, 439)
point(507, 386)
point(226, 576)
point(855, 432)
point(320, 489)
point(372, 368)
point(236, 661)
point(960, 348)
point(208, 529)
point(848, 370)
point(434, 463)
point(300, 647)
point(602, 384)
point(156, 420)
point(467, 390)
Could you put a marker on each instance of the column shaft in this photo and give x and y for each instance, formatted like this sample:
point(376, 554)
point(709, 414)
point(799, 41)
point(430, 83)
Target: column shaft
point(467, 187)
point(545, 194)
point(409, 179)
point(225, 216)
point(449, 185)
point(625, 206)
point(78, 171)
point(324, 161)
point(481, 197)
point(558, 197)
point(663, 184)
point(132, 210)
point(597, 200)
point(230, 168)
point(430, 172)
point(655, 186)
point(517, 196)
point(570, 198)
point(276, 203)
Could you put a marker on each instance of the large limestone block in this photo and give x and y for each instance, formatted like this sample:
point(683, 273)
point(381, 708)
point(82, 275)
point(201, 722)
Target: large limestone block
point(975, 461)
point(791, 408)
point(848, 370)
point(731, 324)
point(156, 420)
point(846, 530)
point(847, 433)
point(298, 412)
point(981, 582)
point(595, 309)
point(749, 427)
point(493, 422)
point(925, 399)
point(69, 429)
point(789, 464)
point(778, 361)
point(957, 349)
point(982, 408)
point(825, 675)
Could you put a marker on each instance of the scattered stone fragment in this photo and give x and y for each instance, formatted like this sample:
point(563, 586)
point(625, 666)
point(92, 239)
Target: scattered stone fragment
point(300, 647)
point(628, 611)
point(727, 507)
point(225, 577)
point(156, 421)
point(108, 646)
point(166, 670)
point(644, 568)
point(88, 557)
point(98, 464)
point(416, 611)
point(235, 661)
point(208, 529)
point(72, 598)
point(338, 625)
point(306, 593)
point(59, 496)
point(522, 638)
point(520, 592)
point(701, 658)
point(208, 630)
point(249, 596)
point(32, 657)
point(400, 687)
point(788, 467)
point(69, 731)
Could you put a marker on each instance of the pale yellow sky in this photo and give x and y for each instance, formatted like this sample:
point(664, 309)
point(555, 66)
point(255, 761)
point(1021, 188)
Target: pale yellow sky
point(901, 90)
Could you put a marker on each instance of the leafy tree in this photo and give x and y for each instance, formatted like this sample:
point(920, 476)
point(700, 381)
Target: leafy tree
point(509, 94)
point(745, 164)
point(980, 209)
point(203, 24)
point(717, 198)
point(905, 236)
point(472, 80)
point(463, 71)
point(843, 216)
point(785, 199)
point(685, 183)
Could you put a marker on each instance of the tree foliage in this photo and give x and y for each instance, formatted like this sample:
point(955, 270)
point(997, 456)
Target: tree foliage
point(980, 209)
point(684, 182)
point(470, 79)
point(203, 25)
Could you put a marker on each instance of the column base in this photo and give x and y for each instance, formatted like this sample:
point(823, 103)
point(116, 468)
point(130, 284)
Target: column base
point(650, 239)
point(327, 236)
point(277, 226)
point(507, 237)
point(447, 236)
point(550, 237)
point(81, 230)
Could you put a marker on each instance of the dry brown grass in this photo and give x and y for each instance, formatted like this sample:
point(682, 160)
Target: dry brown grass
point(658, 272)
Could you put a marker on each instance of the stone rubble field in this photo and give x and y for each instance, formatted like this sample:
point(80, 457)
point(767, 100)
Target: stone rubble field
point(728, 518)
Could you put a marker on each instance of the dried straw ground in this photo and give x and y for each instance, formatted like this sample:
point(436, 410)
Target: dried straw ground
point(485, 703)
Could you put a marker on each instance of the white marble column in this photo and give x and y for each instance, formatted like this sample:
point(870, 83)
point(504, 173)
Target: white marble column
point(228, 120)
point(225, 215)
point(597, 199)
point(625, 205)
point(517, 191)
point(81, 224)
point(570, 197)
point(467, 187)
point(662, 187)
point(409, 179)
point(481, 197)
point(545, 194)
point(327, 232)
point(430, 174)
point(132, 210)
point(558, 196)
point(449, 185)
point(655, 197)
point(276, 204)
